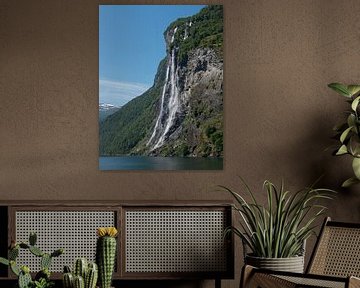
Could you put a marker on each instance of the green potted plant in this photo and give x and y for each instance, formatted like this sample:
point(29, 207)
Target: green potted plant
point(275, 233)
point(348, 132)
point(42, 278)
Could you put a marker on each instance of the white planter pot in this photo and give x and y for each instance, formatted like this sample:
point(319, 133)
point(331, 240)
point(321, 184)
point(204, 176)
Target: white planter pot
point(291, 264)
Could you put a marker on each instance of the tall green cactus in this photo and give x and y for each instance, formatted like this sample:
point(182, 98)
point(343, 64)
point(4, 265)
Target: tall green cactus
point(106, 254)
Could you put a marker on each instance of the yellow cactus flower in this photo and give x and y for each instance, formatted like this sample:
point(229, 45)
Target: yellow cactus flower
point(106, 231)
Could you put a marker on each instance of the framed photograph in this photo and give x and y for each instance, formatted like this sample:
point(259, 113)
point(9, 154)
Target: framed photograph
point(161, 87)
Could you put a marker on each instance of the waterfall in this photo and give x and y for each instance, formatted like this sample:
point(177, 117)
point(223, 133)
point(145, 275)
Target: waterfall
point(158, 121)
point(169, 106)
point(173, 36)
point(173, 104)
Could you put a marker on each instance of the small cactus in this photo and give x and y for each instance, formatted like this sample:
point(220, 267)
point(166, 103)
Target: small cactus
point(106, 254)
point(89, 272)
point(45, 261)
point(24, 278)
point(68, 280)
point(79, 282)
point(81, 266)
point(91, 276)
point(67, 269)
point(32, 238)
point(44, 273)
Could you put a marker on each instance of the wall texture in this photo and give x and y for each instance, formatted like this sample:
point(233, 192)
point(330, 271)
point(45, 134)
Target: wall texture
point(279, 57)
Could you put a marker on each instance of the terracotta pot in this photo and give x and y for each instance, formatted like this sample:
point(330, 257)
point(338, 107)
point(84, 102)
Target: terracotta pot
point(291, 264)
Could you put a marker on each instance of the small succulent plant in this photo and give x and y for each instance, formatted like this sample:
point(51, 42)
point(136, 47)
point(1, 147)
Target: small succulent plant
point(85, 275)
point(42, 278)
point(106, 254)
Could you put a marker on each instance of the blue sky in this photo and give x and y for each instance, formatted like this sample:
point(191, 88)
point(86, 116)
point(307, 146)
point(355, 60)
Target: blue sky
point(131, 45)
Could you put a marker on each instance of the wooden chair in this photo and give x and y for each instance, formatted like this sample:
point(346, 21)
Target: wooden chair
point(334, 263)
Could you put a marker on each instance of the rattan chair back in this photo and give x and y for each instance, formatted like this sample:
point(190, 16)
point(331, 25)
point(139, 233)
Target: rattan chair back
point(337, 252)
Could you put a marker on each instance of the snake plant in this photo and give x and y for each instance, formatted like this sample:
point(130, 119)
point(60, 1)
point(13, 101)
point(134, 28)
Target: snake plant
point(279, 228)
point(348, 132)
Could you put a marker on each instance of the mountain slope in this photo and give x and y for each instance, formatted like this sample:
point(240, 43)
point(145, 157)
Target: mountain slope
point(182, 113)
point(106, 110)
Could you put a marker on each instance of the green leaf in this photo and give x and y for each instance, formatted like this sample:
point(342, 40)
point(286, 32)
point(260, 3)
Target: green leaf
point(351, 120)
point(14, 268)
point(355, 103)
point(345, 134)
point(354, 145)
point(4, 261)
point(342, 150)
point(353, 89)
point(340, 88)
point(349, 182)
point(356, 167)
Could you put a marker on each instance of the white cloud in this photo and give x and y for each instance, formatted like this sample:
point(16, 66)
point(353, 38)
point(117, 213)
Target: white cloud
point(119, 93)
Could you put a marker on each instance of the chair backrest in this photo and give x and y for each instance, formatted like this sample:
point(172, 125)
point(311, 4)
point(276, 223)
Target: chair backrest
point(337, 251)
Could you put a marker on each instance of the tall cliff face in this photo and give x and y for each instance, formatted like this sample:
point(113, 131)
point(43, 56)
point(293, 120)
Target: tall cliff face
point(182, 114)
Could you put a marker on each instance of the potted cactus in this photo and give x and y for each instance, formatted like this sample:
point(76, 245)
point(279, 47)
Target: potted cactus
point(85, 275)
point(106, 254)
point(42, 278)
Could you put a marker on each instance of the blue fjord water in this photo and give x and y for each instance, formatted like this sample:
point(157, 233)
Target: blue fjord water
point(159, 163)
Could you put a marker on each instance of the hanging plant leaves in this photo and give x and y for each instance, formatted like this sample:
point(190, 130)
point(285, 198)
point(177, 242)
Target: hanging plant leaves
point(349, 182)
point(353, 89)
point(355, 103)
point(345, 134)
point(342, 150)
point(356, 167)
point(340, 88)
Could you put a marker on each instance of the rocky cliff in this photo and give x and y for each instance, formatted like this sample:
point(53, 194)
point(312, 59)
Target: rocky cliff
point(182, 113)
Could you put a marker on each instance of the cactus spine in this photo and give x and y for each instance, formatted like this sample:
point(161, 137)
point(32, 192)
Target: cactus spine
point(106, 254)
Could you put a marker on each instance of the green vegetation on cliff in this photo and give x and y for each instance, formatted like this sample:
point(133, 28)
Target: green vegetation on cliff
point(206, 31)
point(123, 130)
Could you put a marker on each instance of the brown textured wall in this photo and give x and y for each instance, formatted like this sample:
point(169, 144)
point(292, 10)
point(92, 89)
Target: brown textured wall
point(279, 57)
